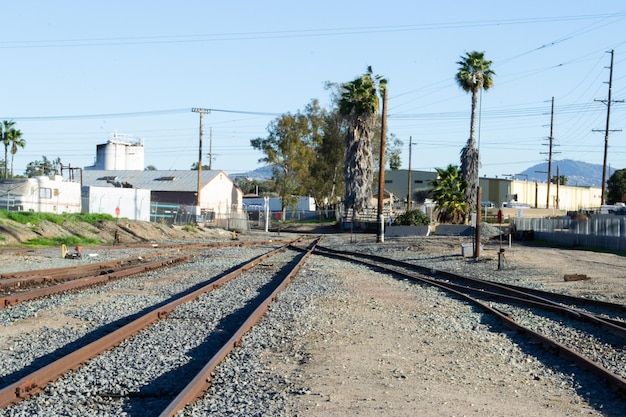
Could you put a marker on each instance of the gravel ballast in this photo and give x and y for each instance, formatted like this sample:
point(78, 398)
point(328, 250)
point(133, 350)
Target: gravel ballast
point(341, 340)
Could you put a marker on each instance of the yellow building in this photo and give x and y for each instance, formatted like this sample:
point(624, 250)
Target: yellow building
point(535, 194)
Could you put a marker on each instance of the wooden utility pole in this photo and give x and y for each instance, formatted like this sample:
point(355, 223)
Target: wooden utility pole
point(210, 149)
point(608, 102)
point(381, 172)
point(478, 220)
point(201, 112)
point(408, 198)
point(550, 144)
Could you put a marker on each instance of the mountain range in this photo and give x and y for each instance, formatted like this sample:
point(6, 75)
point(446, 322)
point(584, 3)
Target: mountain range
point(578, 173)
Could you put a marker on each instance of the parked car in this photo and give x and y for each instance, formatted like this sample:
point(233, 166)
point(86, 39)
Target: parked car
point(487, 204)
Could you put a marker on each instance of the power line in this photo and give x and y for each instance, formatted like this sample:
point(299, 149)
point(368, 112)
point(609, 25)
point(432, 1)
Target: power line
point(299, 33)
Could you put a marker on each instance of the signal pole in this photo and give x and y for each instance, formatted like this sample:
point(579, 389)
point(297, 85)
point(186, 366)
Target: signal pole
point(201, 112)
point(608, 102)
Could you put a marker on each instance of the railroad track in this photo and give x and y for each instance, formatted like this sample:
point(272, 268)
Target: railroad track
point(21, 286)
point(205, 327)
point(590, 333)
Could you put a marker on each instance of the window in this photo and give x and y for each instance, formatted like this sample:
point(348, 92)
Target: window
point(45, 193)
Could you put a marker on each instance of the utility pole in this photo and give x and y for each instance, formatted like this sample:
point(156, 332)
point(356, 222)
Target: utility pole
point(381, 172)
point(201, 112)
point(408, 198)
point(558, 183)
point(210, 149)
point(550, 153)
point(608, 102)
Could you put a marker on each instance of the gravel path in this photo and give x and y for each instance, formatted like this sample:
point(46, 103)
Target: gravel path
point(345, 340)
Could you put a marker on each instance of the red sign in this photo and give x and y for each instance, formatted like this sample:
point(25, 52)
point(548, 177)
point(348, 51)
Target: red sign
point(117, 211)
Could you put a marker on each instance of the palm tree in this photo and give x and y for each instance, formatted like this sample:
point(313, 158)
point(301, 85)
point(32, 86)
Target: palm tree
point(17, 141)
point(448, 194)
point(5, 127)
point(359, 105)
point(474, 75)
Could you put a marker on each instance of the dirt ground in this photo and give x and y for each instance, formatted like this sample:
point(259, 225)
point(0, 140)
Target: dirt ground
point(388, 351)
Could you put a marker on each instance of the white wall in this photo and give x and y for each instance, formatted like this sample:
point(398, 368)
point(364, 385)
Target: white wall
point(221, 195)
point(134, 203)
point(304, 203)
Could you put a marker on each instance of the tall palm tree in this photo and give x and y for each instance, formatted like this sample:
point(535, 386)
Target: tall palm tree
point(359, 105)
point(474, 75)
point(17, 141)
point(5, 127)
point(448, 194)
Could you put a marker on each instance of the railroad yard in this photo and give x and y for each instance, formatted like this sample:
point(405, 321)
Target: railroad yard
point(342, 338)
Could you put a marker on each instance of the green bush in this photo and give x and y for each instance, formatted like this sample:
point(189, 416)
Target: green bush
point(411, 218)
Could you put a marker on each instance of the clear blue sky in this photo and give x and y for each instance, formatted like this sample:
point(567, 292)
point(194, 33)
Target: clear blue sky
point(74, 72)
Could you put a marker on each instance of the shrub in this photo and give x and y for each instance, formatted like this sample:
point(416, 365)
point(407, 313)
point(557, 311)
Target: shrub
point(412, 218)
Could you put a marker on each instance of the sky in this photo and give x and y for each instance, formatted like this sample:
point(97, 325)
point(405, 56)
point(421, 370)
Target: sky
point(75, 73)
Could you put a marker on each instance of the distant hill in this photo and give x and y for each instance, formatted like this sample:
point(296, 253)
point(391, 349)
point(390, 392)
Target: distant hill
point(263, 173)
point(578, 173)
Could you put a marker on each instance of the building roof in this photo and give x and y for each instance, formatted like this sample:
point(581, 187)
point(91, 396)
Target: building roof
point(172, 180)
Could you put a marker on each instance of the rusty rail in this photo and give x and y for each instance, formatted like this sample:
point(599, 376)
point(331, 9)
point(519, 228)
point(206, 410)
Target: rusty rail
point(614, 380)
point(73, 284)
point(35, 382)
point(202, 381)
point(60, 280)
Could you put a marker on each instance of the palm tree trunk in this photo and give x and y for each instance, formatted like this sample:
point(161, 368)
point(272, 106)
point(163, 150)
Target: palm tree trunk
point(470, 161)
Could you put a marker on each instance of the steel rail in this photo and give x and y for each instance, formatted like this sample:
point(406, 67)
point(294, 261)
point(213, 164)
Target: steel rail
point(611, 378)
point(24, 279)
point(35, 382)
point(615, 326)
point(74, 284)
point(564, 298)
point(202, 381)
point(20, 278)
point(71, 282)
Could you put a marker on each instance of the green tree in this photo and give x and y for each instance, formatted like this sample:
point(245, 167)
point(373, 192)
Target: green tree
point(326, 182)
point(289, 149)
point(152, 168)
point(255, 186)
point(474, 75)
point(394, 150)
point(448, 194)
point(5, 128)
point(616, 187)
point(17, 141)
point(43, 167)
point(562, 180)
point(194, 167)
point(359, 104)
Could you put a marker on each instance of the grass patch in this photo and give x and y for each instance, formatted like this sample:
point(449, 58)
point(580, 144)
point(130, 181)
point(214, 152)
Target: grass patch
point(31, 217)
point(190, 228)
point(58, 241)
